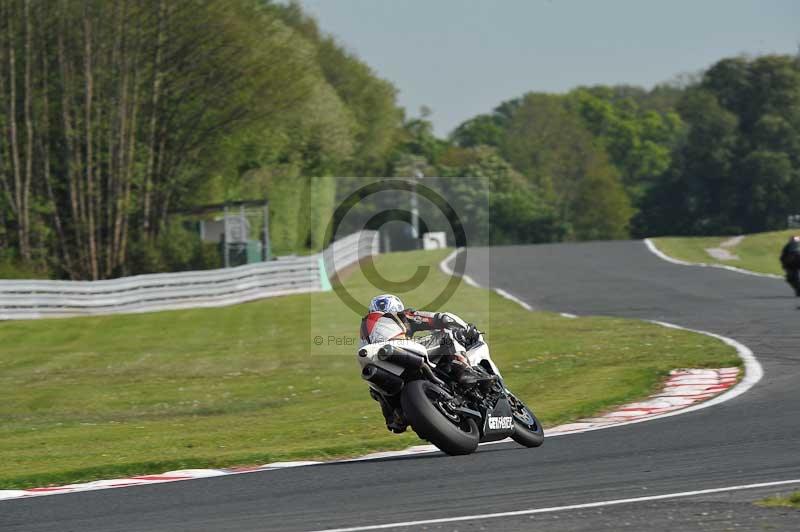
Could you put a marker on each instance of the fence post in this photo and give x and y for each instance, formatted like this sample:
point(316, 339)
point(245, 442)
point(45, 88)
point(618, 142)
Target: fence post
point(265, 247)
point(225, 235)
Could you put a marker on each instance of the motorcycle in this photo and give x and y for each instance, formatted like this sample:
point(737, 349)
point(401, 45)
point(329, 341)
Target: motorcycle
point(452, 416)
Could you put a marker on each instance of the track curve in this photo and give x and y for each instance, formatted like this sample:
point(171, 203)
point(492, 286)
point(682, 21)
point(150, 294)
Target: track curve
point(751, 439)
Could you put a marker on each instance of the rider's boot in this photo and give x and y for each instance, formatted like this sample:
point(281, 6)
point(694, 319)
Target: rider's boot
point(398, 423)
point(395, 422)
point(463, 373)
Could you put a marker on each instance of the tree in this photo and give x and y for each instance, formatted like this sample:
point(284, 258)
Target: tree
point(602, 208)
point(483, 130)
point(498, 204)
point(639, 142)
point(548, 143)
point(771, 187)
point(739, 169)
point(371, 100)
point(115, 113)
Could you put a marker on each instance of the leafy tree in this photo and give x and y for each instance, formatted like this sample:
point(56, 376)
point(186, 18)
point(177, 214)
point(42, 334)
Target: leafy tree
point(602, 209)
point(499, 205)
point(738, 169)
point(113, 114)
point(639, 142)
point(548, 142)
point(418, 139)
point(483, 130)
point(770, 185)
point(377, 118)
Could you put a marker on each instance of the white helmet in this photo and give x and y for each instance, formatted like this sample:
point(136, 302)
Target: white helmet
point(386, 303)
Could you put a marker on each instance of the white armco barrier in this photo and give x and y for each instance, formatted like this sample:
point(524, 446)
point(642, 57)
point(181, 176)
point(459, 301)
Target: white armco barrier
point(168, 291)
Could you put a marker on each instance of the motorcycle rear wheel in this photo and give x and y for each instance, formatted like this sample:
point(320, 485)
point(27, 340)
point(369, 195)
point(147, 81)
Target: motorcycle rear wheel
point(428, 415)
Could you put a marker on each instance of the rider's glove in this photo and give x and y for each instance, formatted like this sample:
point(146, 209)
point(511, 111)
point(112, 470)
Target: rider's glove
point(472, 334)
point(468, 336)
point(445, 321)
point(458, 334)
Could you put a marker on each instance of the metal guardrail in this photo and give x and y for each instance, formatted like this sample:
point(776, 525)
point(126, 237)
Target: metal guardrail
point(196, 289)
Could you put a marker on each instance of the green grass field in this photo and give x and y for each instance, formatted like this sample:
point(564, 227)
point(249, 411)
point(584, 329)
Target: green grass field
point(102, 397)
point(757, 252)
point(778, 501)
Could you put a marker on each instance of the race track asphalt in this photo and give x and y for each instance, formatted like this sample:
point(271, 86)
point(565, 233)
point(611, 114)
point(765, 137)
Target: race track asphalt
point(753, 438)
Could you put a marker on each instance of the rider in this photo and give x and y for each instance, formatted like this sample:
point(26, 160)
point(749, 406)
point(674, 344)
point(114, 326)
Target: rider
point(388, 319)
point(790, 260)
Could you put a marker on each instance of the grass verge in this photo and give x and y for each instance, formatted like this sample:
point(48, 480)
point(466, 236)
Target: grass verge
point(780, 501)
point(100, 397)
point(758, 252)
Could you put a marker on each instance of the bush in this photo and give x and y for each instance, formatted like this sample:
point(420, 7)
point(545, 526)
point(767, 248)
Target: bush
point(178, 248)
point(12, 268)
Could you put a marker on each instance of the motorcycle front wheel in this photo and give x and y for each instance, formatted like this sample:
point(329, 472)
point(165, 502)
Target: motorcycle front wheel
point(527, 429)
point(431, 417)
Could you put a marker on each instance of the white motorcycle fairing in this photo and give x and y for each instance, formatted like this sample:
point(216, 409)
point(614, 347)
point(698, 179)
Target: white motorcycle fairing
point(477, 355)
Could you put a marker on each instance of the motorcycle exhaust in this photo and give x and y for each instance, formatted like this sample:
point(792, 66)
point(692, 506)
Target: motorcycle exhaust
point(413, 361)
point(401, 357)
point(389, 383)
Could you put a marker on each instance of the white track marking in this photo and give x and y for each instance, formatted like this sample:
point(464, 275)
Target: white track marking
point(533, 511)
point(513, 298)
point(445, 264)
point(568, 315)
point(661, 255)
point(470, 281)
point(445, 267)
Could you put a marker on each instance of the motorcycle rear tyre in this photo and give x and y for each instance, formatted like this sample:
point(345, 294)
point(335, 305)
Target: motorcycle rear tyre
point(432, 425)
